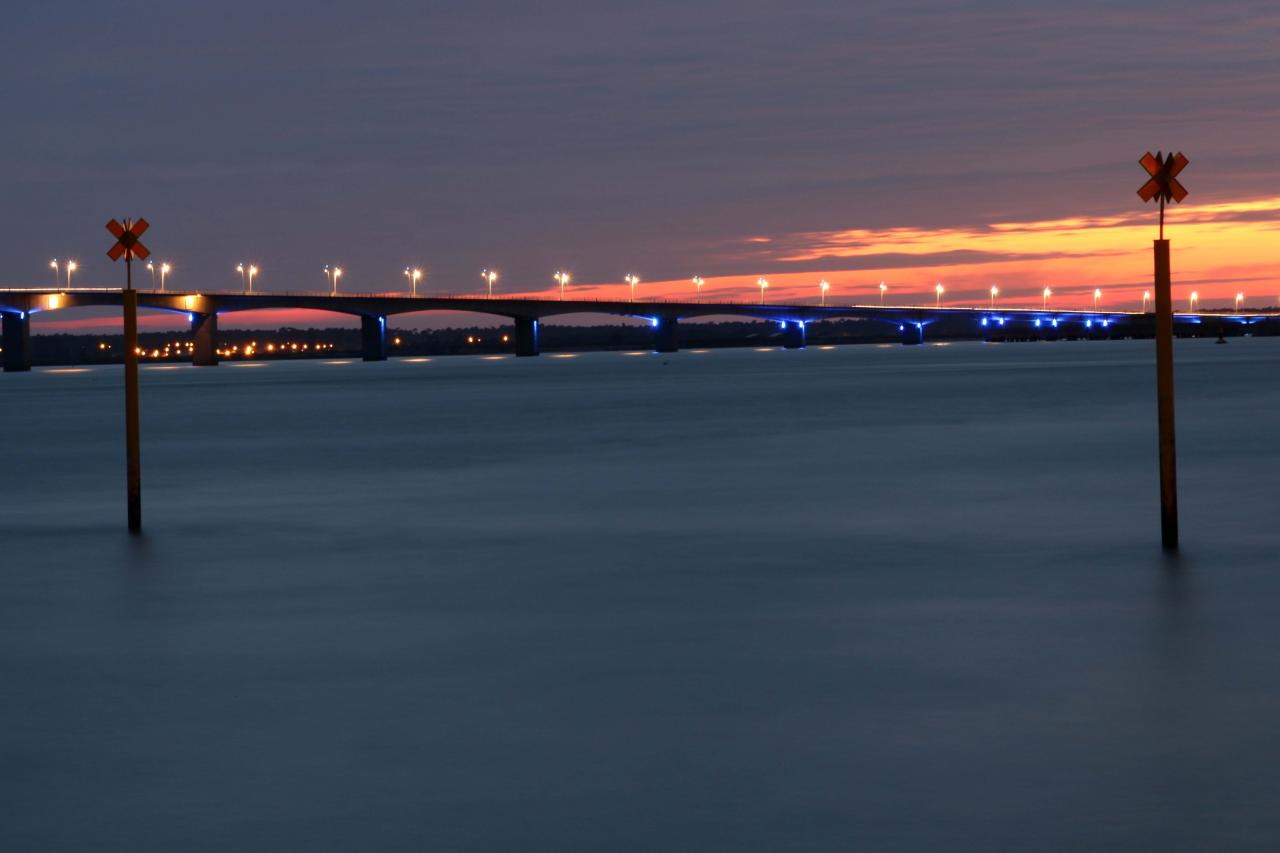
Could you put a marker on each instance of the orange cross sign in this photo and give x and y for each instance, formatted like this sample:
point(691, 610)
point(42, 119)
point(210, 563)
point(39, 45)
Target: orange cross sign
point(1163, 183)
point(127, 242)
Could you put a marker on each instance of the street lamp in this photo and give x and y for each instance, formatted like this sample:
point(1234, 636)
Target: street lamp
point(337, 274)
point(632, 280)
point(253, 270)
point(240, 269)
point(561, 278)
point(823, 287)
point(1045, 302)
point(938, 290)
point(697, 287)
point(413, 275)
point(490, 276)
point(883, 288)
point(1146, 297)
point(54, 266)
point(164, 271)
point(151, 268)
point(995, 291)
point(1097, 294)
point(1195, 297)
point(1239, 299)
point(71, 267)
point(764, 284)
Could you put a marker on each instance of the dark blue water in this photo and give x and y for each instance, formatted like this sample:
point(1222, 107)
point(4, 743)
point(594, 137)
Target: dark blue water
point(856, 599)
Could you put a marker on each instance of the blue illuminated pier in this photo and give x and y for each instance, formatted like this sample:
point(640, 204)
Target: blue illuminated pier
point(912, 322)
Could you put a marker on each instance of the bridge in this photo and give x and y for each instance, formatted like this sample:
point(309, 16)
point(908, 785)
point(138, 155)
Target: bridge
point(373, 309)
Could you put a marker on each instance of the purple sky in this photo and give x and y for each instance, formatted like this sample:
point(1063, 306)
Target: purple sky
point(603, 137)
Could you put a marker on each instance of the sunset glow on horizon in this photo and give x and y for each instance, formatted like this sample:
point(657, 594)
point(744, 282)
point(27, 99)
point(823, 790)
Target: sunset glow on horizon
point(1222, 249)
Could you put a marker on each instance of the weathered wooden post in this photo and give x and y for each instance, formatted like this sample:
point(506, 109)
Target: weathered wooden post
point(1163, 185)
point(128, 245)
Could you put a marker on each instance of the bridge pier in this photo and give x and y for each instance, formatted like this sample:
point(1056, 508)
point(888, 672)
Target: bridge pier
point(793, 334)
point(666, 335)
point(204, 334)
point(16, 338)
point(373, 337)
point(526, 337)
point(912, 333)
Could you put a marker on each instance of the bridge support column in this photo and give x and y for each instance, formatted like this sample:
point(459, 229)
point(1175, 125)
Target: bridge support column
point(912, 333)
point(204, 334)
point(526, 336)
point(793, 334)
point(666, 335)
point(373, 338)
point(16, 340)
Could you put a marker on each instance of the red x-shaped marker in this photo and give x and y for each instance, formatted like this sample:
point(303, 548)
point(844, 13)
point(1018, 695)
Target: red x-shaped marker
point(127, 242)
point(1163, 183)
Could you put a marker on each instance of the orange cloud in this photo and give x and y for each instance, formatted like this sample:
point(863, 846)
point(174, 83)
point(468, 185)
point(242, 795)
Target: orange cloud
point(1219, 249)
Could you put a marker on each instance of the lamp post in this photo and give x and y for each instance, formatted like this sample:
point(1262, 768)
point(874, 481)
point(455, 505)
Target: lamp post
point(995, 291)
point(697, 287)
point(71, 267)
point(883, 288)
point(561, 278)
point(253, 270)
point(337, 274)
point(1146, 297)
point(490, 276)
point(151, 268)
point(938, 290)
point(632, 280)
point(1195, 297)
point(1045, 302)
point(764, 285)
point(53, 264)
point(164, 271)
point(413, 275)
point(823, 287)
point(1097, 294)
point(240, 269)
point(1239, 299)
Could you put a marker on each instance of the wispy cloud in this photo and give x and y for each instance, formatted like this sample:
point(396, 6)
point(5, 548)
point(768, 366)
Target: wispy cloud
point(1217, 246)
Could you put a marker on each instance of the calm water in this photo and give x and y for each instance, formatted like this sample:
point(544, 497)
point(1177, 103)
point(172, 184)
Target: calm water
point(855, 599)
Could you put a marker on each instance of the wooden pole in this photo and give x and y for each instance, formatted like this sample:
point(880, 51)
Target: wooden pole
point(133, 463)
point(1164, 398)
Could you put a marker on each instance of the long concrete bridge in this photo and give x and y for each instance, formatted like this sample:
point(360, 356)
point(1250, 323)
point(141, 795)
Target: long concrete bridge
point(203, 310)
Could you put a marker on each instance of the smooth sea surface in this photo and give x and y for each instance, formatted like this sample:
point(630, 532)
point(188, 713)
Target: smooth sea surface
point(866, 598)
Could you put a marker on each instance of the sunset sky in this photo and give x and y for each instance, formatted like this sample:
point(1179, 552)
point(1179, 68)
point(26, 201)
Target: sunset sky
point(906, 142)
